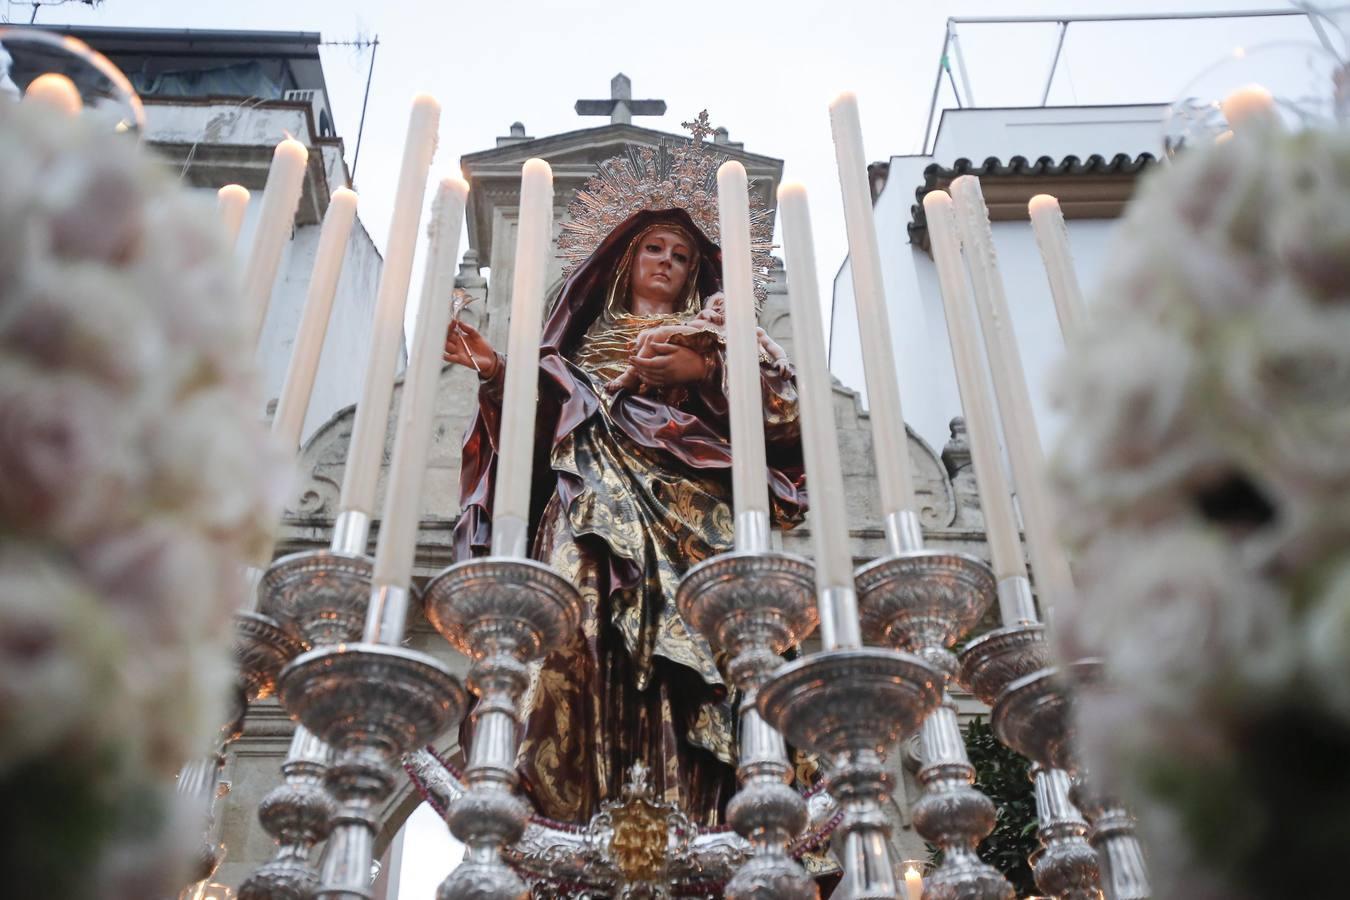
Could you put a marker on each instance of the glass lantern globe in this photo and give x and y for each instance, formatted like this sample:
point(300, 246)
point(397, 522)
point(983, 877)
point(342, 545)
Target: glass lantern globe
point(30, 55)
point(1302, 84)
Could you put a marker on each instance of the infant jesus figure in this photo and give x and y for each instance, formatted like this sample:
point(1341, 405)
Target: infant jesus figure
point(704, 334)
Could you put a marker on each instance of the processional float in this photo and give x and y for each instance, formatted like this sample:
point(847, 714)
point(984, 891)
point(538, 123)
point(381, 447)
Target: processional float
point(326, 630)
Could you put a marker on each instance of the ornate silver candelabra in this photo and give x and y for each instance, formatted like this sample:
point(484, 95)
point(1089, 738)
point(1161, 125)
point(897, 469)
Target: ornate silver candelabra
point(923, 601)
point(1065, 866)
point(1033, 715)
point(503, 613)
point(849, 705)
point(753, 605)
point(371, 703)
point(321, 598)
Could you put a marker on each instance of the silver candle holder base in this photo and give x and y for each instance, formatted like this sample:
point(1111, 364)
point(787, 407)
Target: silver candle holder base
point(320, 596)
point(922, 602)
point(371, 703)
point(849, 705)
point(261, 648)
point(999, 657)
point(503, 613)
point(1034, 716)
point(753, 606)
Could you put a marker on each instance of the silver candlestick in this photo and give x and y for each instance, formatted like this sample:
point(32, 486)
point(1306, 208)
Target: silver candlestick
point(849, 705)
point(1065, 866)
point(753, 605)
point(321, 597)
point(261, 647)
point(923, 601)
point(371, 703)
point(503, 613)
point(1034, 716)
point(298, 813)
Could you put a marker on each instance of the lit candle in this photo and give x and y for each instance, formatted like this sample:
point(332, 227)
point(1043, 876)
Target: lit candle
point(1000, 521)
point(1047, 221)
point(913, 883)
point(386, 335)
point(232, 202)
point(749, 469)
point(1010, 389)
point(412, 435)
point(534, 234)
point(323, 280)
point(276, 216)
point(1250, 105)
point(889, 441)
point(55, 90)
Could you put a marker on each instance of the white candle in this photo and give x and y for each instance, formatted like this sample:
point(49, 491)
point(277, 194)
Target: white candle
point(412, 435)
point(276, 216)
point(1047, 221)
point(889, 441)
point(323, 280)
point(55, 90)
point(825, 479)
point(232, 202)
point(1248, 106)
point(1000, 521)
point(534, 234)
point(749, 469)
point(1048, 562)
point(386, 335)
point(913, 883)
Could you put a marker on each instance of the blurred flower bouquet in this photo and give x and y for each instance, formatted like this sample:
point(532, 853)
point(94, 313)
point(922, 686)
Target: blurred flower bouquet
point(1205, 477)
point(135, 477)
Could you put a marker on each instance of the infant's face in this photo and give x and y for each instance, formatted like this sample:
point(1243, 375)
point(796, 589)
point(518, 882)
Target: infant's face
point(715, 310)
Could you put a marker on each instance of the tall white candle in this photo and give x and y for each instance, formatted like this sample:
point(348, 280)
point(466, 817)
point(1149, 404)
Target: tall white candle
point(1048, 561)
point(749, 469)
point(412, 437)
point(232, 202)
point(55, 90)
point(889, 440)
point(1000, 521)
point(1047, 221)
point(825, 479)
point(913, 883)
point(276, 216)
point(511, 500)
point(323, 280)
point(386, 335)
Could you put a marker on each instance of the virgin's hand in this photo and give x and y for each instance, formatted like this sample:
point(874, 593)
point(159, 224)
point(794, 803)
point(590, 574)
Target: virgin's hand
point(657, 334)
point(464, 346)
point(664, 364)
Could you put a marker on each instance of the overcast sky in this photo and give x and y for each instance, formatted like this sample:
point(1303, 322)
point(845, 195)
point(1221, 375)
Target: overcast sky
point(765, 70)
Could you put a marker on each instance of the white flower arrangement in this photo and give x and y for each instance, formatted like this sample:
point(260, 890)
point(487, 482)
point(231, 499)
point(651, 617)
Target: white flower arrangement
point(1205, 480)
point(136, 479)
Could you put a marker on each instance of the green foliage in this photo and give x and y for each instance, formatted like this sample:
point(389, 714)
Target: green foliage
point(1002, 776)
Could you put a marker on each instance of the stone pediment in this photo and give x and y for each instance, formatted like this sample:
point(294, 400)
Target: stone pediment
point(494, 175)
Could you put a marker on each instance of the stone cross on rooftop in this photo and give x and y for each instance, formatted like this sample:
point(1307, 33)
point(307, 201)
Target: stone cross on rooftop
point(621, 107)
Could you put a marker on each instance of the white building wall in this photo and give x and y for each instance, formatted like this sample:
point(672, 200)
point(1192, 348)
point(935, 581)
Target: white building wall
point(918, 324)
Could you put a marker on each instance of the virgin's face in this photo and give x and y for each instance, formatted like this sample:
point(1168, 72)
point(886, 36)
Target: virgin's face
point(661, 267)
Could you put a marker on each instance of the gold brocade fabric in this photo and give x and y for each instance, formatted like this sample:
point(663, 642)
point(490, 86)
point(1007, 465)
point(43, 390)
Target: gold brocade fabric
point(642, 686)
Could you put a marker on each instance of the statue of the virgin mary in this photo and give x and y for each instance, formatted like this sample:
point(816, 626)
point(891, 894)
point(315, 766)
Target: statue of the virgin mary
point(631, 488)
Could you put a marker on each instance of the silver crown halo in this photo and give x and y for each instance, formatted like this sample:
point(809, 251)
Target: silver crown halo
point(665, 177)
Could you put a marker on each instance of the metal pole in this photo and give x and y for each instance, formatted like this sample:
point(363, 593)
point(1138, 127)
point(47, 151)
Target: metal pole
point(1054, 63)
point(361, 128)
point(961, 67)
point(937, 85)
point(1125, 17)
